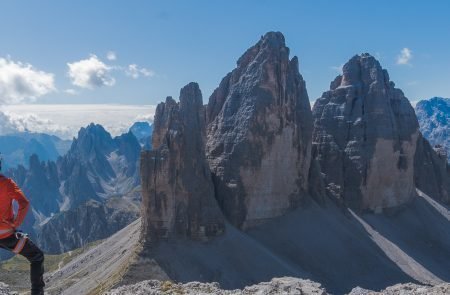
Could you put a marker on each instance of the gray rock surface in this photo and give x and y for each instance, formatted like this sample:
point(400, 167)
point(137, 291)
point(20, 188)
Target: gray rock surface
point(434, 119)
point(87, 223)
point(177, 189)
point(4, 290)
point(285, 285)
point(406, 289)
point(432, 171)
point(365, 133)
point(259, 132)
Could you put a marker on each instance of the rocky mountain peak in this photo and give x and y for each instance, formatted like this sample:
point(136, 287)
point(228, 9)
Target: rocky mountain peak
point(363, 69)
point(163, 116)
point(366, 133)
point(93, 137)
point(141, 130)
point(177, 189)
point(272, 43)
point(259, 129)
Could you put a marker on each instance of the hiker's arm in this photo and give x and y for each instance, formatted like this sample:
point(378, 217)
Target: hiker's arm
point(15, 193)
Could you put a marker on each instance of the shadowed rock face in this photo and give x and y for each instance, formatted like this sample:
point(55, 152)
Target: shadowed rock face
point(431, 171)
point(178, 193)
point(365, 133)
point(259, 135)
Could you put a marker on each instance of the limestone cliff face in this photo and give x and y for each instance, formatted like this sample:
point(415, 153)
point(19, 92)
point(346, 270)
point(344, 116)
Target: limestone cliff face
point(432, 172)
point(365, 133)
point(178, 193)
point(259, 135)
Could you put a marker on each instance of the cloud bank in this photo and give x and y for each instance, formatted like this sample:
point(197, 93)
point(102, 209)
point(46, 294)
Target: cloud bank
point(13, 123)
point(65, 120)
point(21, 81)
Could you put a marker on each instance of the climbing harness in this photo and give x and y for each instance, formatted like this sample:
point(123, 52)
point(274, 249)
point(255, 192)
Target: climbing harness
point(22, 237)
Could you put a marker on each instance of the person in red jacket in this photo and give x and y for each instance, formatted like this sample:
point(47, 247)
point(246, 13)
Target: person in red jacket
point(13, 240)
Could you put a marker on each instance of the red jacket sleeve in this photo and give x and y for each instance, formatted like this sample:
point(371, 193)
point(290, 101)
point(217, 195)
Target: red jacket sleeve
point(16, 194)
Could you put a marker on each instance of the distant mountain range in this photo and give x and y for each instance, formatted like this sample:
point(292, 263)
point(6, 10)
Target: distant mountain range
point(17, 148)
point(75, 187)
point(434, 119)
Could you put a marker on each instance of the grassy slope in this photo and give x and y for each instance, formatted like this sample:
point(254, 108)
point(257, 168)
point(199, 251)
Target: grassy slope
point(15, 271)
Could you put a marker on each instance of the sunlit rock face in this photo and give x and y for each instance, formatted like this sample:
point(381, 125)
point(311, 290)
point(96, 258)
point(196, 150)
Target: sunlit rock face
point(365, 133)
point(259, 135)
point(177, 189)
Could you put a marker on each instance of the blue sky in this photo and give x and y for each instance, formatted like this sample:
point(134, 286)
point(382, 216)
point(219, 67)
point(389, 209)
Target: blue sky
point(174, 42)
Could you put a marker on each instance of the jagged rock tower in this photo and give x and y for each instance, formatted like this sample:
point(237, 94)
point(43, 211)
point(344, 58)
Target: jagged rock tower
point(177, 189)
point(259, 135)
point(365, 133)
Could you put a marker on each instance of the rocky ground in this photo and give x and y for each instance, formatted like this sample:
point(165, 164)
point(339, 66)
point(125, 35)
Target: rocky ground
point(4, 290)
point(406, 289)
point(285, 285)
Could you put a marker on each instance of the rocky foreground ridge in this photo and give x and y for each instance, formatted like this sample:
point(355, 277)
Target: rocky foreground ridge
point(285, 285)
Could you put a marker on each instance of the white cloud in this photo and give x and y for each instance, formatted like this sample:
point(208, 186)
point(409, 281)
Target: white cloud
point(20, 81)
point(13, 122)
point(404, 57)
point(134, 71)
point(66, 120)
point(71, 91)
point(90, 73)
point(111, 55)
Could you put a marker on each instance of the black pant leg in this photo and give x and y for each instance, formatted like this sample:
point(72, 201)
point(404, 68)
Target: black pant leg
point(36, 258)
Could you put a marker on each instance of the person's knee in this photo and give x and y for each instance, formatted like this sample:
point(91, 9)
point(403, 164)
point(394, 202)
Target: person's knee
point(38, 257)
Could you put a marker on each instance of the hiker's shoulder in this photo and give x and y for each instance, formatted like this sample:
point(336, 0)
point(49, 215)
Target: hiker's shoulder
point(4, 179)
